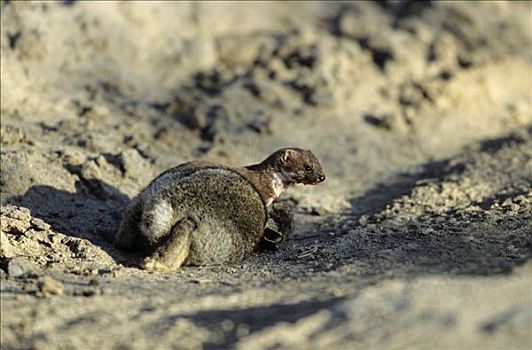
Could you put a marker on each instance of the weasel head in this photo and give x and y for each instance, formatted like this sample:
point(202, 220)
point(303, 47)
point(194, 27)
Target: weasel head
point(296, 165)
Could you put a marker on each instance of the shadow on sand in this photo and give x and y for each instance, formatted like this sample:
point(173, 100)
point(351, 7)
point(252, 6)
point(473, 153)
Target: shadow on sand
point(93, 212)
point(477, 239)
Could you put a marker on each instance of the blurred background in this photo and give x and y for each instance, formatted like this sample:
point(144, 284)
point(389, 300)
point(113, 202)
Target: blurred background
point(370, 87)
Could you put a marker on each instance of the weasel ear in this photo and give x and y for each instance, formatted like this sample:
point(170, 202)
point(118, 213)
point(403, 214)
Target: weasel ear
point(286, 155)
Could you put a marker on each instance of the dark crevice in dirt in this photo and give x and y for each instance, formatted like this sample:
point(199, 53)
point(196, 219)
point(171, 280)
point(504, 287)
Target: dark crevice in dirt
point(464, 62)
point(116, 161)
point(333, 23)
point(160, 107)
point(46, 128)
point(380, 56)
point(413, 94)
point(445, 75)
point(143, 153)
point(306, 91)
point(299, 59)
point(378, 121)
point(110, 88)
point(84, 110)
point(431, 53)
point(252, 88)
point(404, 9)
point(212, 82)
point(13, 39)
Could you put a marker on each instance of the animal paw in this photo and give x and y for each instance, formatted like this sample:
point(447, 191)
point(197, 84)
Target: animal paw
point(153, 265)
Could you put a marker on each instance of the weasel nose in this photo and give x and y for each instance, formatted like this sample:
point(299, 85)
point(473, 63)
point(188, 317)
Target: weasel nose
point(321, 178)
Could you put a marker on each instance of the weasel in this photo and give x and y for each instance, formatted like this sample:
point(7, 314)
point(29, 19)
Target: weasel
point(284, 168)
point(271, 177)
point(202, 213)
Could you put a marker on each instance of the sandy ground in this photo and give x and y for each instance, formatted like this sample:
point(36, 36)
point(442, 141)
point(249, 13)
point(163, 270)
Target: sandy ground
point(420, 112)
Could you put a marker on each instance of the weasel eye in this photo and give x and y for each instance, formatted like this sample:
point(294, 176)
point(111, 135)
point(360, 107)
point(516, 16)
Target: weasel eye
point(308, 168)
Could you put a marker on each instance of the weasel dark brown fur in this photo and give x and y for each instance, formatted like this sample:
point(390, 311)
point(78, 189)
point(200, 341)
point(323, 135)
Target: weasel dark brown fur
point(202, 213)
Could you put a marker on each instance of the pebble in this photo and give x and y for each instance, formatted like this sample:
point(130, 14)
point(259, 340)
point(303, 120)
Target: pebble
point(39, 224)
point(242, 330)
point(21, 266)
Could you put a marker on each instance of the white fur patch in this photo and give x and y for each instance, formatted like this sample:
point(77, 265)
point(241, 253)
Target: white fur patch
point(277, 184)
point(162, 218)
point(280, 182)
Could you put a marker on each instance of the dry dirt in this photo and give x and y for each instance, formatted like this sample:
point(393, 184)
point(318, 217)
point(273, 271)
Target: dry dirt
point(421, 113)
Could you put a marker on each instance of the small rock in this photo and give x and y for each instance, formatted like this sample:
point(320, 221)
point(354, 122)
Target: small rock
point(20, 266)
point(426, 231)
point(227, 325)
point(507, 202)
point(242, 330)
point(130, 159)
point(363, 220)
point(19, 213)
point(39, 224)
point(7, 250)
point(78, 246)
